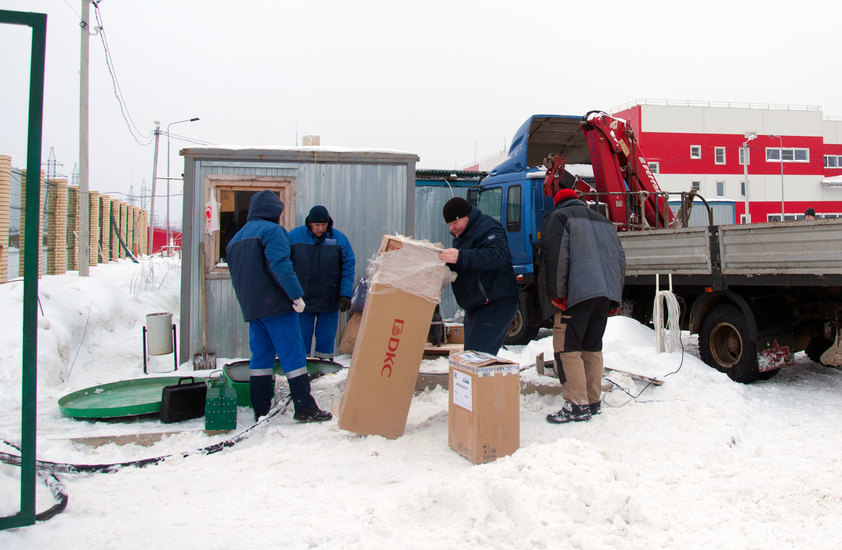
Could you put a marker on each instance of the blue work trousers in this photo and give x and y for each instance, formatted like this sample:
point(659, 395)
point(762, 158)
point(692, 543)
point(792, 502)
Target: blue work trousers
point(325, 324)
point(278, 335)
point(486, 326)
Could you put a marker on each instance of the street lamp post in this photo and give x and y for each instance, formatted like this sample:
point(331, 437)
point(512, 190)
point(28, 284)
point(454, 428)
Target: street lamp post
point(194, 119)
point(781, 158)
point(749, 136)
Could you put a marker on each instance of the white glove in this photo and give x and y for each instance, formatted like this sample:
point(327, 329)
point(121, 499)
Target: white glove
point(298, 305)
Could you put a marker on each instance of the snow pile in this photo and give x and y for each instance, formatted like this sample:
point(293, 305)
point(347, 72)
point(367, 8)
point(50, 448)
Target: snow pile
point(695, 463)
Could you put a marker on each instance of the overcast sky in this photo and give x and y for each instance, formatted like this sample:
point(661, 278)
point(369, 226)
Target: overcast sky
point(448, 80)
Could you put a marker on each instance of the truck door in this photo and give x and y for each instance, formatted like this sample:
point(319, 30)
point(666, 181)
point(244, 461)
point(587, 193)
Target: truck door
point(504, 203)
point(517, 228)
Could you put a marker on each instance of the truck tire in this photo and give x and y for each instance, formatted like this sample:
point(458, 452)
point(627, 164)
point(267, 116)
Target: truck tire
point(520, 331)
point(725, 345)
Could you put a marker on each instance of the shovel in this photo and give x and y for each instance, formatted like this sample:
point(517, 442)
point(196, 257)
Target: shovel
point(206, 359)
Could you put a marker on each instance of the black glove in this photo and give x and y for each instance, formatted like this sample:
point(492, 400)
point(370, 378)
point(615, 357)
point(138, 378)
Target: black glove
point(344, 303)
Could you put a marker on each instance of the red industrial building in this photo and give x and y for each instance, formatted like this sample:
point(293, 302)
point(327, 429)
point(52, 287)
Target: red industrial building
point(794, 154)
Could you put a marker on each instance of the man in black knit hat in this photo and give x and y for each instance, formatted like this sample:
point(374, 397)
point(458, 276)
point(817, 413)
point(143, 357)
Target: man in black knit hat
point(485, 285)
point(324, 262)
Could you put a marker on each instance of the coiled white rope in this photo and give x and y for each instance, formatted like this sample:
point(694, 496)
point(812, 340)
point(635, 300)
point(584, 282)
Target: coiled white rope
point(666, 338)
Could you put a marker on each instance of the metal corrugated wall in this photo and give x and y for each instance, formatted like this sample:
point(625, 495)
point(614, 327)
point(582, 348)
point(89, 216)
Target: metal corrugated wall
point(365, 201)
point(430, 225)
point(723, 212)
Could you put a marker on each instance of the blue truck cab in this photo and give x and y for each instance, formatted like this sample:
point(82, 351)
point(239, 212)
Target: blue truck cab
point(513, 194)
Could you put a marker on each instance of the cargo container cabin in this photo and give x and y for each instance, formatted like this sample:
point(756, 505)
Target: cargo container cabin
point(367, 192)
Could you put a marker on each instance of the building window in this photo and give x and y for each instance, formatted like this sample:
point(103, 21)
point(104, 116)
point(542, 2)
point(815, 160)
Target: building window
point(720, 189)
point(695, 151)
point(790, 154)
point(742, 189)
point(653, 166)
point(833, 161)
point(696, 186)
point(744, 154)
point(719, 155)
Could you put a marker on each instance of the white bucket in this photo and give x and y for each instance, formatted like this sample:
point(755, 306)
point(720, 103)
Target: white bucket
point(159, 333)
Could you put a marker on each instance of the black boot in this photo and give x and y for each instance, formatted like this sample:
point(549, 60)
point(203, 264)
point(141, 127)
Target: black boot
point(595, 408)
point(570, 413)
point(262, 389)
point(306, 409)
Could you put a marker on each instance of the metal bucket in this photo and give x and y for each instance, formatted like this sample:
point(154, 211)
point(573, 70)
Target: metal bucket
point(159, 333)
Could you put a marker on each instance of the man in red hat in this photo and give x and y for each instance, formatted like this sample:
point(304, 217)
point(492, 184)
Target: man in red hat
point(581, 274)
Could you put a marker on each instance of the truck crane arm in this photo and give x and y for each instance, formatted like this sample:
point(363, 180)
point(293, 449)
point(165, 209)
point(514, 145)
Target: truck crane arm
point(620, 167)
point(621, 174)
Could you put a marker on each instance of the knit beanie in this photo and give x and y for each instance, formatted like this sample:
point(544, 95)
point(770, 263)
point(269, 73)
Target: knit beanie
point(455, 208)
point(563, 195)
point(318, 214)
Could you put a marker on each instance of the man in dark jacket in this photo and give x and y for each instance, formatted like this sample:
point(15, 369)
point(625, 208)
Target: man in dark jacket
point(582, 270)
point(324, 262)
point(270, 294)
point(485, 285)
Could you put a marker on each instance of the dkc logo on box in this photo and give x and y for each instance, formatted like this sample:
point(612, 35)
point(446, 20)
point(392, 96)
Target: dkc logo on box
point(392, 348)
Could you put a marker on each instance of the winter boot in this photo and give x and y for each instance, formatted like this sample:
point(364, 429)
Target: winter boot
point(262, 389)
point(306, 409)
point(595, 408)
point(570, 413)
point(312, 415)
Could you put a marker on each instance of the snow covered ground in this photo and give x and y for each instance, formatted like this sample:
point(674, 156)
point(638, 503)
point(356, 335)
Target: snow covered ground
point(700, 462)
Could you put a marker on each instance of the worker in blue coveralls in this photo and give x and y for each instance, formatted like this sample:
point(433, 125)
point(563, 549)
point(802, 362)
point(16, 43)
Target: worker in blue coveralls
point(270, 295)
point(485, 285)
point(324, 262)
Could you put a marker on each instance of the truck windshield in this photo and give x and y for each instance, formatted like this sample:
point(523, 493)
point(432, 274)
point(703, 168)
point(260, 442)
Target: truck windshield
point(490, 201)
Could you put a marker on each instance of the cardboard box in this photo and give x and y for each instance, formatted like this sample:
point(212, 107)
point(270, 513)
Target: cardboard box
point(483, 413)
point(455, 333)
point(349, 333)
point(405, 287)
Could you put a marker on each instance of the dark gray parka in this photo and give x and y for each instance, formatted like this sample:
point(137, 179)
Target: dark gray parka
point(581, 257)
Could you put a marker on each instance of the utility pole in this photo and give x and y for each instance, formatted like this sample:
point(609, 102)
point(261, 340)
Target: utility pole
point(749, 136)
point(84, 206)
point(781, 158)
point(152, 197)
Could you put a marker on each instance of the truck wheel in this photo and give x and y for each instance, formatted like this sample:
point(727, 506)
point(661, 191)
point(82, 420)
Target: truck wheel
point(520, 333)
point(724, 344)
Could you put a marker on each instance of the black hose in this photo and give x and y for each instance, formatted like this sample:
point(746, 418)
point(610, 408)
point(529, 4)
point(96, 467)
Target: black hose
point(66, 468)
point(56, 488)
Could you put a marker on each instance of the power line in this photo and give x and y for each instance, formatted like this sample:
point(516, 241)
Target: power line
point(118, 92)
point(190, 140)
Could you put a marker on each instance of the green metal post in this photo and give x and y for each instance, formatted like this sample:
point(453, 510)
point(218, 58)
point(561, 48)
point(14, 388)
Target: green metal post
point(38, 23)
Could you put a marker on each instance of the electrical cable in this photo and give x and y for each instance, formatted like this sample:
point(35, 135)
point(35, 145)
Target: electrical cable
point(675, 315)
point(666, 338)
point(118, 92)
point(55, 486)
point(67, 468)
point(185, 138)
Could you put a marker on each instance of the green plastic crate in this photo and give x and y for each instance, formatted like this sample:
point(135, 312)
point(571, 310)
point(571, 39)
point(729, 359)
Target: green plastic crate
point(221, 406)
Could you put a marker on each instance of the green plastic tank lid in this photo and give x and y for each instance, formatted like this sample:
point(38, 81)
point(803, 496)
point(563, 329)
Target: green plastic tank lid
point(116, 399)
